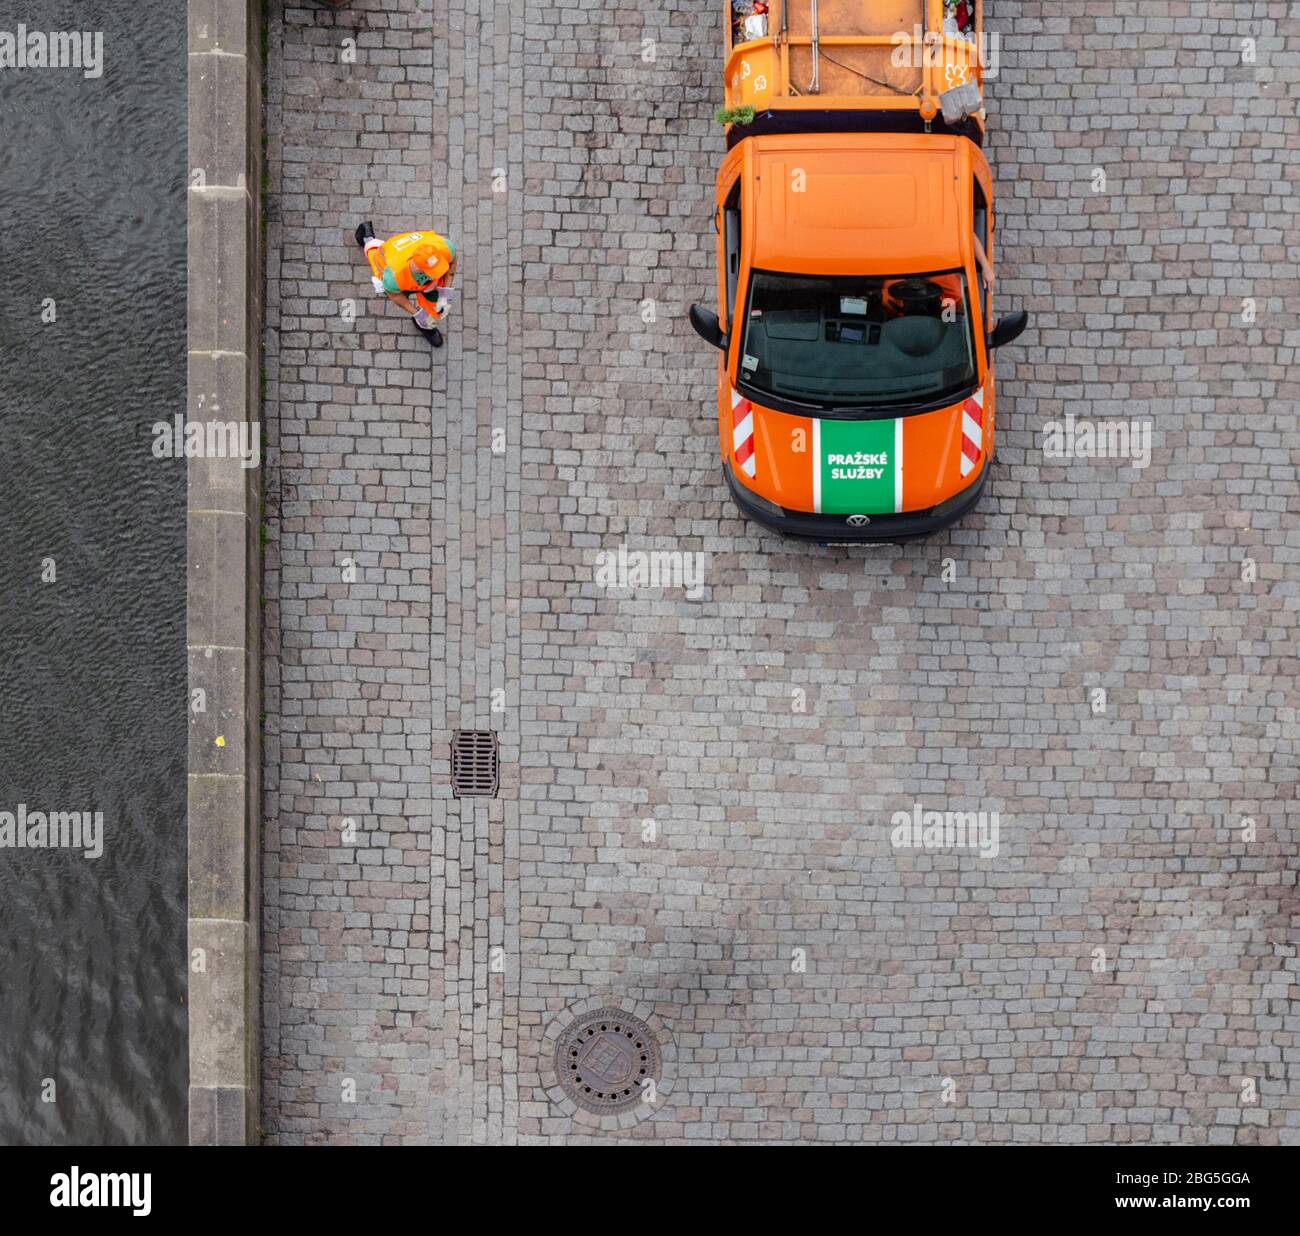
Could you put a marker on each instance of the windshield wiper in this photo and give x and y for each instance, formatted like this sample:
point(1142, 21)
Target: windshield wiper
point(803, 403)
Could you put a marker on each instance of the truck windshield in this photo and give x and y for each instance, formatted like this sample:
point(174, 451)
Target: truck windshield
point(859, 341)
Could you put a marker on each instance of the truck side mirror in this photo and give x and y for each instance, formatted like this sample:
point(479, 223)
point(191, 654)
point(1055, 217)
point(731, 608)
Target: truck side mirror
point(1008, 329)
point(707, 326)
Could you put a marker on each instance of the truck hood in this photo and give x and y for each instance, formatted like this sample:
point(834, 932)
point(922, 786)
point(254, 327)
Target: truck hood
point(843, 205)
point(867, 467)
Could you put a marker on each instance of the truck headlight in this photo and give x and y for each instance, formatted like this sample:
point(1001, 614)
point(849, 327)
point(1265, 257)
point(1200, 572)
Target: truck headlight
point(948, 505)
point(767, 507)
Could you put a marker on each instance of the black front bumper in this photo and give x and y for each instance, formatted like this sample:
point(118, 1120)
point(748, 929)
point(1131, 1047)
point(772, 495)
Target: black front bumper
point(834, 529)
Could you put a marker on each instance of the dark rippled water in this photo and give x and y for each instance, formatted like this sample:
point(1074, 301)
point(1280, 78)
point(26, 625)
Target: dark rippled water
point(92, 666)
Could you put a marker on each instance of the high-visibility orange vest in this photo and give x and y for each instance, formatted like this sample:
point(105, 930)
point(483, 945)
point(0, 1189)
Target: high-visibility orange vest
point(432, 255)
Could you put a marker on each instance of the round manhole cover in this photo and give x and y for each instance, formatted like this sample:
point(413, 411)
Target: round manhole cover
point(603, 1060)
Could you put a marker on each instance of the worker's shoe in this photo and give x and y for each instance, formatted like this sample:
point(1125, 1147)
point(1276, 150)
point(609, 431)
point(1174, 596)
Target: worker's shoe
point(365, 232)
point(431, 333)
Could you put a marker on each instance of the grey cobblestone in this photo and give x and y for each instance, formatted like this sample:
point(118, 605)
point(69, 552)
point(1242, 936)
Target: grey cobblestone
point(943, 997)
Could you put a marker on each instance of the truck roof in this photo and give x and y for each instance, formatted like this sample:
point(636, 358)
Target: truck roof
point(882, 204)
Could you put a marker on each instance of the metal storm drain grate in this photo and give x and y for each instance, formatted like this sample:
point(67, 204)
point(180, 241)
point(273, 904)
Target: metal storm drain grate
point(604, 1058)
point(473, 764)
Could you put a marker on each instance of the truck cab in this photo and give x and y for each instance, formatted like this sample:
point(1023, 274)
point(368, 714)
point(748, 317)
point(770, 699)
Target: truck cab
point(854, 322)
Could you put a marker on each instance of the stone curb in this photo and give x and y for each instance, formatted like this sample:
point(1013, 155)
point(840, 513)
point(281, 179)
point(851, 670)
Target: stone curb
point(223, 567)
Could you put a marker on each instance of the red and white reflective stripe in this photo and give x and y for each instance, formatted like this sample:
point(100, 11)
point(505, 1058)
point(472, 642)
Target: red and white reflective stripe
point(972, 432)
point(742, 434)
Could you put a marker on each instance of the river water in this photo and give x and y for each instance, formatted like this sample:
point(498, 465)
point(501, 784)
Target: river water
point(92, 579)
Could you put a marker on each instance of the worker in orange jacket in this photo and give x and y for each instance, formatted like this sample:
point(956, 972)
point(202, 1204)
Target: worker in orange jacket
point(409, 269)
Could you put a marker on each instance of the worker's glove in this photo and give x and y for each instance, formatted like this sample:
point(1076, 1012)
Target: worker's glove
point(377, 284)
point(443, 304)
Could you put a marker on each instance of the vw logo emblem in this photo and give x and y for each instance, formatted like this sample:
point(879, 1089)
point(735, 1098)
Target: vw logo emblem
point(858, 521)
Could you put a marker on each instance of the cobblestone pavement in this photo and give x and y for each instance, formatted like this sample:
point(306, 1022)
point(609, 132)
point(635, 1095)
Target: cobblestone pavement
point(433, 521)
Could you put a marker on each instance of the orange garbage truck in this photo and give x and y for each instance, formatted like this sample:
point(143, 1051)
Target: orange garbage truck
point(855, 267)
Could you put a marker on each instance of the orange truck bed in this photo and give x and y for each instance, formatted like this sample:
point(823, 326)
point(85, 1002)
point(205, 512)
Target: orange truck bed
point(856, 259)
point(854, 54)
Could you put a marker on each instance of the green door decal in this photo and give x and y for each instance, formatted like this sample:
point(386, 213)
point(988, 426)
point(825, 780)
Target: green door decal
point(857, 467)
